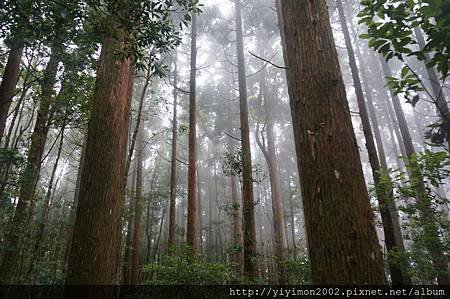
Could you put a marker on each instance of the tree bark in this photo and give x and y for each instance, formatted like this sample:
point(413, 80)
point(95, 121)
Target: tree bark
point(248, 205)
point(384, 193)
point(8, 85)
point(30, 176)
point(343, 245)
point(96, 241)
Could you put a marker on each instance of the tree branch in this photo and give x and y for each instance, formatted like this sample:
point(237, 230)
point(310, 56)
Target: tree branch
point(267, 61)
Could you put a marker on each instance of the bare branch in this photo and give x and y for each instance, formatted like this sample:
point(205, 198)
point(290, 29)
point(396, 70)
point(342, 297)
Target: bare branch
point(267, 61)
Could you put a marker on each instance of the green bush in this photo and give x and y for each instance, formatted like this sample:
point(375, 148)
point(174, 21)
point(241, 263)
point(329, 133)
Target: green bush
point(187, 270)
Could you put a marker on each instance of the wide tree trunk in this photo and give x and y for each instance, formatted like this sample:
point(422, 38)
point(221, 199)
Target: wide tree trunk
point(192, 213)
point(248, 209)
point(8, 85)
point(96, 242)
point(342, 241)
point(30, 176)
point(383, 192)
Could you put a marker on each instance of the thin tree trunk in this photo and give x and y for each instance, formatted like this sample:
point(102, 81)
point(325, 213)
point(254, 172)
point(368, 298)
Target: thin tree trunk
point(8, 85)
point(200, 214)
point(13, 128)
point(74, 207)
point(45, 209)
point(19, 107)
point(30, 176)
point(192, 213)
point(95, 251)
point(439, 99)
point(291, 214)
point(173, 164)
point(248, 209)
point(391, 115)
point(383, 162)
point(237, 226)
point(384, 193)
point(135, 253)
point(126, 266)
point(272, 165)
point(434, 245)
point(149, 216)
point(155, 252)
point(342, 240)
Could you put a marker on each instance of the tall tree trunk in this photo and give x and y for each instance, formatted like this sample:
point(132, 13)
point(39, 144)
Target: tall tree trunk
point(192, 213)
point(437, 89)
point(382, 155)
point(30, 176)
point(12, 132)
point(272, 165)
point(342, 240)
point(19, 107)
point(8, 85)
point(173, 163)
point(149, 216)
point(135, 253)
point(384, 192)
point(155, 252)
point(237, 225)
point(96, 242)
point(389, 112)
point(74, 207)
point(291, 214)
point(45, 210)
point(434, 244)
point(126, 266)
point(200, 214)
point(248, 205)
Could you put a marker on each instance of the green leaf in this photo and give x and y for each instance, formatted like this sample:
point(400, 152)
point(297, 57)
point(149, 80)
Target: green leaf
point(405, 71)
point(364, 36)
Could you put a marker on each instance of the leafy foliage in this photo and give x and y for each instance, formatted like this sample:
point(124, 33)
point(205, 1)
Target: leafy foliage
point(232, 166)
point(433, 170)
point(298, 269)
point(391, 25)
point(147, 24)
point(183, 269)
